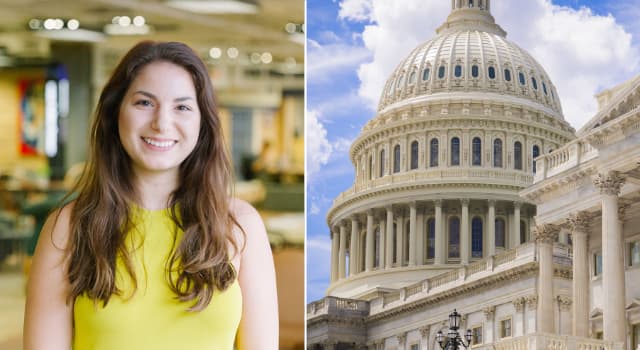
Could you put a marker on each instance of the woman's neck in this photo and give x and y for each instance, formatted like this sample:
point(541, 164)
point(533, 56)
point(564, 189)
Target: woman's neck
point(153, 192)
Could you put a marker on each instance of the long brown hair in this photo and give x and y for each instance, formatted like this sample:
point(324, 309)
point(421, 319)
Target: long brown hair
point(101, 215)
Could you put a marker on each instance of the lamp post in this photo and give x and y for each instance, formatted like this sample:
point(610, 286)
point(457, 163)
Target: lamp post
point(454, 340)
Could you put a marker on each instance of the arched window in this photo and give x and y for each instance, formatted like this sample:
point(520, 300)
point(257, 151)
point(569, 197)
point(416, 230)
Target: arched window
point(425, 74)
point(431, 238)
point(455, 151)
point(407, 238)
point(370, 167)
point(395, 243)
point(492, 72)
point(433, 153)
point(457, 71)
point(454, 237)
point(497, 153)
point(523, 231)
point(476, 150)
point(507, 75)
point(517, 155)
point(400, 82)
point(535, 152)
point(523, 82)
point(475, 71)
point(414, 155)
point(544, 88)
point(470, 3)
point(534, 83)
point(376, 248)
point(412, 77)
point(381, 163)
point(441, 72)
point(363, 260)
point(396, 158)
point(476, 237)
point(500, 233)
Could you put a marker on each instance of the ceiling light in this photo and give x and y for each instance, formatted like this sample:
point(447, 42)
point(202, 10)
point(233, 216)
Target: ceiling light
point(290, 28)
point(34, 23)
point(266, 58)
point(255, 58)
point(58, 23)
point(73, 24)
point(215, 6)
point(49, 23)
point(124, 21)
point(232, 52)
point(138, 21)
point(215, 52)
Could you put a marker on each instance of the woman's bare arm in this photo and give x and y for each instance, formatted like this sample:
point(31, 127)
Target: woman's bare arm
point(259, 324)
point(48, 320)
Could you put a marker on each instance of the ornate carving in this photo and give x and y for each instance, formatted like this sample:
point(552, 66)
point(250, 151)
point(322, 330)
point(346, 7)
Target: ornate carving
point(489, 312)
point(564, 301)
point(609, 183)
point(518, 304)
point(402, 337)
point(424, 331)
point(579, 222)
point(531, 301)
point(546, 233)
point(465, 201)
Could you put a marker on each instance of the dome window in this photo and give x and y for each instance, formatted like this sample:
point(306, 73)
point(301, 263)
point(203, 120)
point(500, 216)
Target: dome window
point(454, 237)
point(507, 75)
point(475, 71)
point(476, 237)
point(433, 153)
point(500, 233)
point(400, 82)
point(370, 167)
point(535, 153)
point(414, 155)
point(523, 82)
point(497, 153)
point(441, 72)
point(458, 71)
point(534, 83)
point(381, 163)
point(425, 74)
point(476, 151)
point(431, 238)
point(544, 88)
point(396, 159)
point(455, 151)
point(412, 77)
point(492, 72)
point(517, 155)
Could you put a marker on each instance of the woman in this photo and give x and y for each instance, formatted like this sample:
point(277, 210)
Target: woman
point(153, 253)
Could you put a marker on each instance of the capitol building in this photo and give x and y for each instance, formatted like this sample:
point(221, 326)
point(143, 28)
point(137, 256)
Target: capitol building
point(472, 192)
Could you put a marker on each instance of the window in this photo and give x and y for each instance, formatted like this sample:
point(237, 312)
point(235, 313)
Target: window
point(433, 153)
point(634, 253)
point(535, 152)
point(376, 248)
point(407, 238)
point(455, 151)
point(505, 328)
point(476, 150)
point(371, 167)
point(454, 237)
point(441, 72)
point(412, 77)
point(395, 243)
point(492, 72)
point(597, 261)
point(523, 82)
point(534, 83)
point(475, 71)
point(470, 3)
point(500, 233)
point(458, 71)
point(517, 155)
point(396, 158)
point(476, 237)
point(544, 88)
point(400, 82)
point(507, 75)
point(425, 74)
point(497, 153)
point(431, 238)
point(414, 155)
point(523, 231)
point(476, 337)
point(415, 346)
point(382, 163)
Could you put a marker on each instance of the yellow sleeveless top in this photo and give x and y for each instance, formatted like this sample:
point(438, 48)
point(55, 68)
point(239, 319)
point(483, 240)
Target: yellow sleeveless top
point(152, 318)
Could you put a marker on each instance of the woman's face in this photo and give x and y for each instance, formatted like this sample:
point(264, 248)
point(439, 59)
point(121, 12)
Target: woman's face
point(159, 119)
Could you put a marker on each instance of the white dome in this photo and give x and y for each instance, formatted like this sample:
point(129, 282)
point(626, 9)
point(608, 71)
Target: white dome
point(470, 54)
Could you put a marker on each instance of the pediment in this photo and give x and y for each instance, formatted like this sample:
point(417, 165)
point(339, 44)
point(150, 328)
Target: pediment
point(622, 101)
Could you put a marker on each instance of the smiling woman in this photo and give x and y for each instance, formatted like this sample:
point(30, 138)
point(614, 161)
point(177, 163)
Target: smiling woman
point(154, 252)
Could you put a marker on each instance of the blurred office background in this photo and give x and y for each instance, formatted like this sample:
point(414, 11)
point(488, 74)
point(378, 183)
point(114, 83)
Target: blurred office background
point(55, 57)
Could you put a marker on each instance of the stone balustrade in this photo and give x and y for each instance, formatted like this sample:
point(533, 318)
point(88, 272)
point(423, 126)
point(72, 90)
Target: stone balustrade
point(335, 305)
point(571, 155)
point(554, 342)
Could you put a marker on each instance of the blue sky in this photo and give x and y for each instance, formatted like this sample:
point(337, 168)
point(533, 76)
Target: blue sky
point(353, 45)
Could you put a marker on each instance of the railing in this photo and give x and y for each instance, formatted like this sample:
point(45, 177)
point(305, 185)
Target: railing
point(335, 305)
point(566, 157)
point(554, 342)
point(506, 257)
point(443, 279)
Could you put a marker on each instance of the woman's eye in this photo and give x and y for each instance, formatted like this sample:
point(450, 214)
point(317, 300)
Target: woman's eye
point(144, 103)
point(183, 108)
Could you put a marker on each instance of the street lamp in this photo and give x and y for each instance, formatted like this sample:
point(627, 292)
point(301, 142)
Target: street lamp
point(453, 340)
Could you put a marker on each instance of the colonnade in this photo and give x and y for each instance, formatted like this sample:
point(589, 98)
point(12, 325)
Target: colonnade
point(425, 232)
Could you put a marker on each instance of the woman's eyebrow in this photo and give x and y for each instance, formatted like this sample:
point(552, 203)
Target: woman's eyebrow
point(150, 95)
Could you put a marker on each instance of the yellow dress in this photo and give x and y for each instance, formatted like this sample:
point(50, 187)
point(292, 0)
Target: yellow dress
point(152, 318)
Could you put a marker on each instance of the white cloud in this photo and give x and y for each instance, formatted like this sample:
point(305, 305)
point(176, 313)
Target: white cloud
point(318, 147)
point(324, 60)
point(315, 209)
point(582, 52)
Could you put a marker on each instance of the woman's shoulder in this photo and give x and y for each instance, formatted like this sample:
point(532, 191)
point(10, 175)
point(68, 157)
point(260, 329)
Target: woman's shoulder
point(249, 220)
point(58, 225)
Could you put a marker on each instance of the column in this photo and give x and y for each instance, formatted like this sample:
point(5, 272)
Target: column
point(389, 232)
point(369, 242)
point(545, 236)
point(382, 244)
point(489, 313)
point(465, 234)
point(516, 224)
point(342, 254)
point(400, 238)
point(613, 318)
point(491, 227)
point(439, 249)
point(412, 233)
point(353, 255)
point(579, 225)
point(334, 255)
